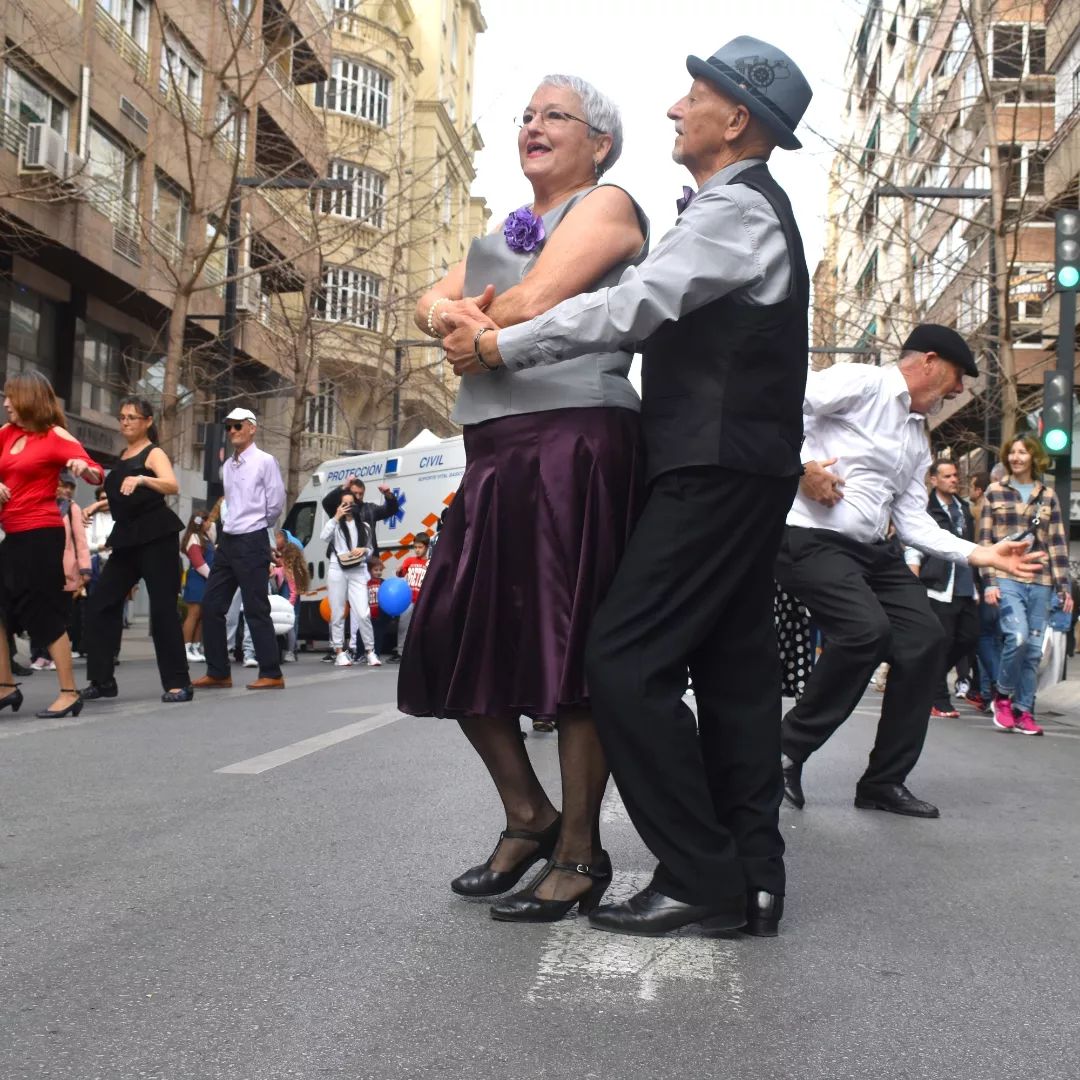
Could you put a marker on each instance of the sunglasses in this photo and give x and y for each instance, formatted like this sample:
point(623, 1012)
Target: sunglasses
point(235, 425)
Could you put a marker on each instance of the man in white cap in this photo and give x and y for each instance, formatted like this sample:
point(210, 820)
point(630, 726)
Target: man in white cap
point(255, 496)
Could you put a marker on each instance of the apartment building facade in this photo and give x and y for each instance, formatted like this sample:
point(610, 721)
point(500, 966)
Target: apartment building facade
point(963, 102)
point(157, 163)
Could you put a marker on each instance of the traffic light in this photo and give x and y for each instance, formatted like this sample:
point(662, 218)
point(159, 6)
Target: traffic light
point(1067, 250)
point(1057, 412)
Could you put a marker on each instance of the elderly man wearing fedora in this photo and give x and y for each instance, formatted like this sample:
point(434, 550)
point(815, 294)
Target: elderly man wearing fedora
point(720, 310)
point(254, 497)
point(868, 424)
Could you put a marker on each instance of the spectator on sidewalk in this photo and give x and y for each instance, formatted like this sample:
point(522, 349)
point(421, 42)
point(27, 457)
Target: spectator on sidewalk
point(1022, 506)
point(293, 581)
point(365, 513)
point(348, 539)
point(383, 626)
point(197, 547)
point(412, 569)
point(950, 586)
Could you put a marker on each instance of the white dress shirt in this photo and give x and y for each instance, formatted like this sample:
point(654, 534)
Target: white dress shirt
point(862, 416)
point(254, 490)
point(728, 241)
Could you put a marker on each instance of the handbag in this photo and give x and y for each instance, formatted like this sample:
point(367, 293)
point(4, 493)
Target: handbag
point(348, 560)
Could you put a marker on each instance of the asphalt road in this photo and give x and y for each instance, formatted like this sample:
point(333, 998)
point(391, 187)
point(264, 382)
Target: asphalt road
point(254, 887)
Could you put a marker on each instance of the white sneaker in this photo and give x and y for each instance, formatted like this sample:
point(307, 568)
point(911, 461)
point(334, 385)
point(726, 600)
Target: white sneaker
point(40, 664)
point(342, 659)
point(250, 661)
point(191, 651)
point(198, 653)
point(373, 660)
point(288, 657)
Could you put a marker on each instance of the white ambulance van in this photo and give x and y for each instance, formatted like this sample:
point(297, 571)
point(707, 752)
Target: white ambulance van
point(423, 475)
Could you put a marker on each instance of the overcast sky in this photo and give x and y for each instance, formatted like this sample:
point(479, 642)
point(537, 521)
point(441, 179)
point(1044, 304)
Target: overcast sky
point(635, 52)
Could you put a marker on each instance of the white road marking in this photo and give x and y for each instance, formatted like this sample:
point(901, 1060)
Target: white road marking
point(271, 760)
point(580, 963)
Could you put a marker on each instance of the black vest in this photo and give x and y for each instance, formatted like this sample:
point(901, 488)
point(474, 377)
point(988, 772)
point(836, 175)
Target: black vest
point(724, 385)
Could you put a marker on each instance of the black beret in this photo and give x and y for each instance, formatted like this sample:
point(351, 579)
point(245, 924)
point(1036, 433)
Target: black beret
point(947, 343)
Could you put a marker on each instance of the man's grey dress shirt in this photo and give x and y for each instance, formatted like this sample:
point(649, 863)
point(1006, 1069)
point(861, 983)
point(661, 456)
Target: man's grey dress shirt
point(728, 241)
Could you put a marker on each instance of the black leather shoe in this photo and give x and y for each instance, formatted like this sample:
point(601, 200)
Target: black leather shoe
point(793, 784)
point(483, 881)
point(526, 906)
point(895, 798)
point(99, 690)
point(651, 913)
point(764, 910)
point(21, 669)
point(185, 693)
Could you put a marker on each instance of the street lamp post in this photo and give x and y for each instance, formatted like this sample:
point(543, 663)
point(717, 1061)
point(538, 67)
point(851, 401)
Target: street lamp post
point(991, 430)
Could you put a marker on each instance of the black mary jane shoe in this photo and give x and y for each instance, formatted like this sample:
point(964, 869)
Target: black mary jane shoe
point(71, 710)
point(526, 906)
point(764, 910)
point(483, 881)
point(11, 701)
point(652, 913)
point(185, 693)
point(99, 690)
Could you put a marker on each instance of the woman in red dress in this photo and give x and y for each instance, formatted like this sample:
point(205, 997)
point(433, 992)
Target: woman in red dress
point(35, 446)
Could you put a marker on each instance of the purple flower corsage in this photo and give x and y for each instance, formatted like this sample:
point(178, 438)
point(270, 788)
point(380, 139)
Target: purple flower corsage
point(523, 230)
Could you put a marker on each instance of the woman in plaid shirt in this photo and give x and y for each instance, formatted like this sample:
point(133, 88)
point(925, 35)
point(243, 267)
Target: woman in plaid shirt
point(1022, 505)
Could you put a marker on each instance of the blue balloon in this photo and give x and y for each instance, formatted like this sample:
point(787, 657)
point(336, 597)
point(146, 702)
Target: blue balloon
point(394, 596)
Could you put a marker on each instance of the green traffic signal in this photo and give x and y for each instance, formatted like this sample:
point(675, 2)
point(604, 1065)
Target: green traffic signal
point(1068, 277)
point(1056, 440)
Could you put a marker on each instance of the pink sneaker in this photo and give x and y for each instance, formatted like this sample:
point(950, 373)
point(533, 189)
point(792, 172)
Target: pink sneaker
point(1003, 714)
point(1026, 725)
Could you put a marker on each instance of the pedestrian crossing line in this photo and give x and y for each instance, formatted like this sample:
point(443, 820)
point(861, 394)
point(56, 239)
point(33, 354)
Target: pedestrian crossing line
point(580, 963)
point(255, 766)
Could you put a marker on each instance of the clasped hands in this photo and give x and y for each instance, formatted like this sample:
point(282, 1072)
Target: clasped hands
point(463, 318)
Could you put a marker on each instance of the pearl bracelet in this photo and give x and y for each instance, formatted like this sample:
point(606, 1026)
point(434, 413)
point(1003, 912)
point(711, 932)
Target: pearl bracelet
point(431, 316)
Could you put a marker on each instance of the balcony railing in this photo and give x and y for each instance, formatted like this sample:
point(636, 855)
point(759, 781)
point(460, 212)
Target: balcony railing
point(1063, 130)
point(325, 446)
point(241, 22)
point(124, 216)
point(285, 84)
point(122, 42)
point(291, 206)
point(12, 133)
point(184, 107)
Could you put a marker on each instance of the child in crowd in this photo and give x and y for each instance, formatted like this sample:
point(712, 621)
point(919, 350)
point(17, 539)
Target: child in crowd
point(412, 570)
point(383, 626)
point(293, 581)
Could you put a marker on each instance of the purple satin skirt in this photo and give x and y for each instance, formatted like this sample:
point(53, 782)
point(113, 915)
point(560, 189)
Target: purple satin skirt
point(526, 556)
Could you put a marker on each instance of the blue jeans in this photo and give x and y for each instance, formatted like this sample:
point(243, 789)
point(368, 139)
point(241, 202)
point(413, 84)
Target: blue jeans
point(1024, 613)
point(989, 648)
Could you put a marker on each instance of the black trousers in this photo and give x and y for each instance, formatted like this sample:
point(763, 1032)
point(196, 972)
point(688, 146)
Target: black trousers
point(240, 561)
point(158, 564)
point(871, 607)
point(695, 591)
point(959, 620)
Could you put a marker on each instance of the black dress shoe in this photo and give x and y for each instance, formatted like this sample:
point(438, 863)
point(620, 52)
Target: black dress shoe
point(764, 910)
point(793, 784)
point(185, 693)
point(651, 913)
point(99, 690)
point(526, 906)
point(895, 798)
point(21, 669)
point(483, 881)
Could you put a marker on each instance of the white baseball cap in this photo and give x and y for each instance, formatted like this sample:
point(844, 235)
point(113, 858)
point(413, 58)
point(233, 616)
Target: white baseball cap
point(242, 414)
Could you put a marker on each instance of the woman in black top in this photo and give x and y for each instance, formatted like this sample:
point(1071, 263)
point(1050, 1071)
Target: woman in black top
point(144, 545)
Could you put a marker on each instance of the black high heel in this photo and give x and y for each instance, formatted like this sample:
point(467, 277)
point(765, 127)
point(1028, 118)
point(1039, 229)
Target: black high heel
point(55, 714)
point(483, 881)
point(12, 701)
point(526, 906)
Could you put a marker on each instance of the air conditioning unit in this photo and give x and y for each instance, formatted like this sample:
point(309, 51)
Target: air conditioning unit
point(45, 150)
point(249, 292)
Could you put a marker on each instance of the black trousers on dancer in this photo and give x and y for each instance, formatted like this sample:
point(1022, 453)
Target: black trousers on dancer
point(242, 560)
point(158, 564)
point(871, 608)
point(694, 591)
point(959, 620)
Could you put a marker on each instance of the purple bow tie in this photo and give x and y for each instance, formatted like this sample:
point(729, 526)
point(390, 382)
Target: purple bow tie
point(687, 198)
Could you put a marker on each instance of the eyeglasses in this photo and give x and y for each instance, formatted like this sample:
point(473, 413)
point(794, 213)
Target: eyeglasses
point(552, 118)
point(130, 418)
point(235, 425)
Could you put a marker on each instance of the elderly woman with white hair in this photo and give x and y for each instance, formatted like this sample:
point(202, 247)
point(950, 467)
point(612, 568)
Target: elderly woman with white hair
point(547, 501)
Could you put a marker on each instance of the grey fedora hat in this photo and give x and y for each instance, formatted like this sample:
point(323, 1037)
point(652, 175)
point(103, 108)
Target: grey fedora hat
point(764, 79)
